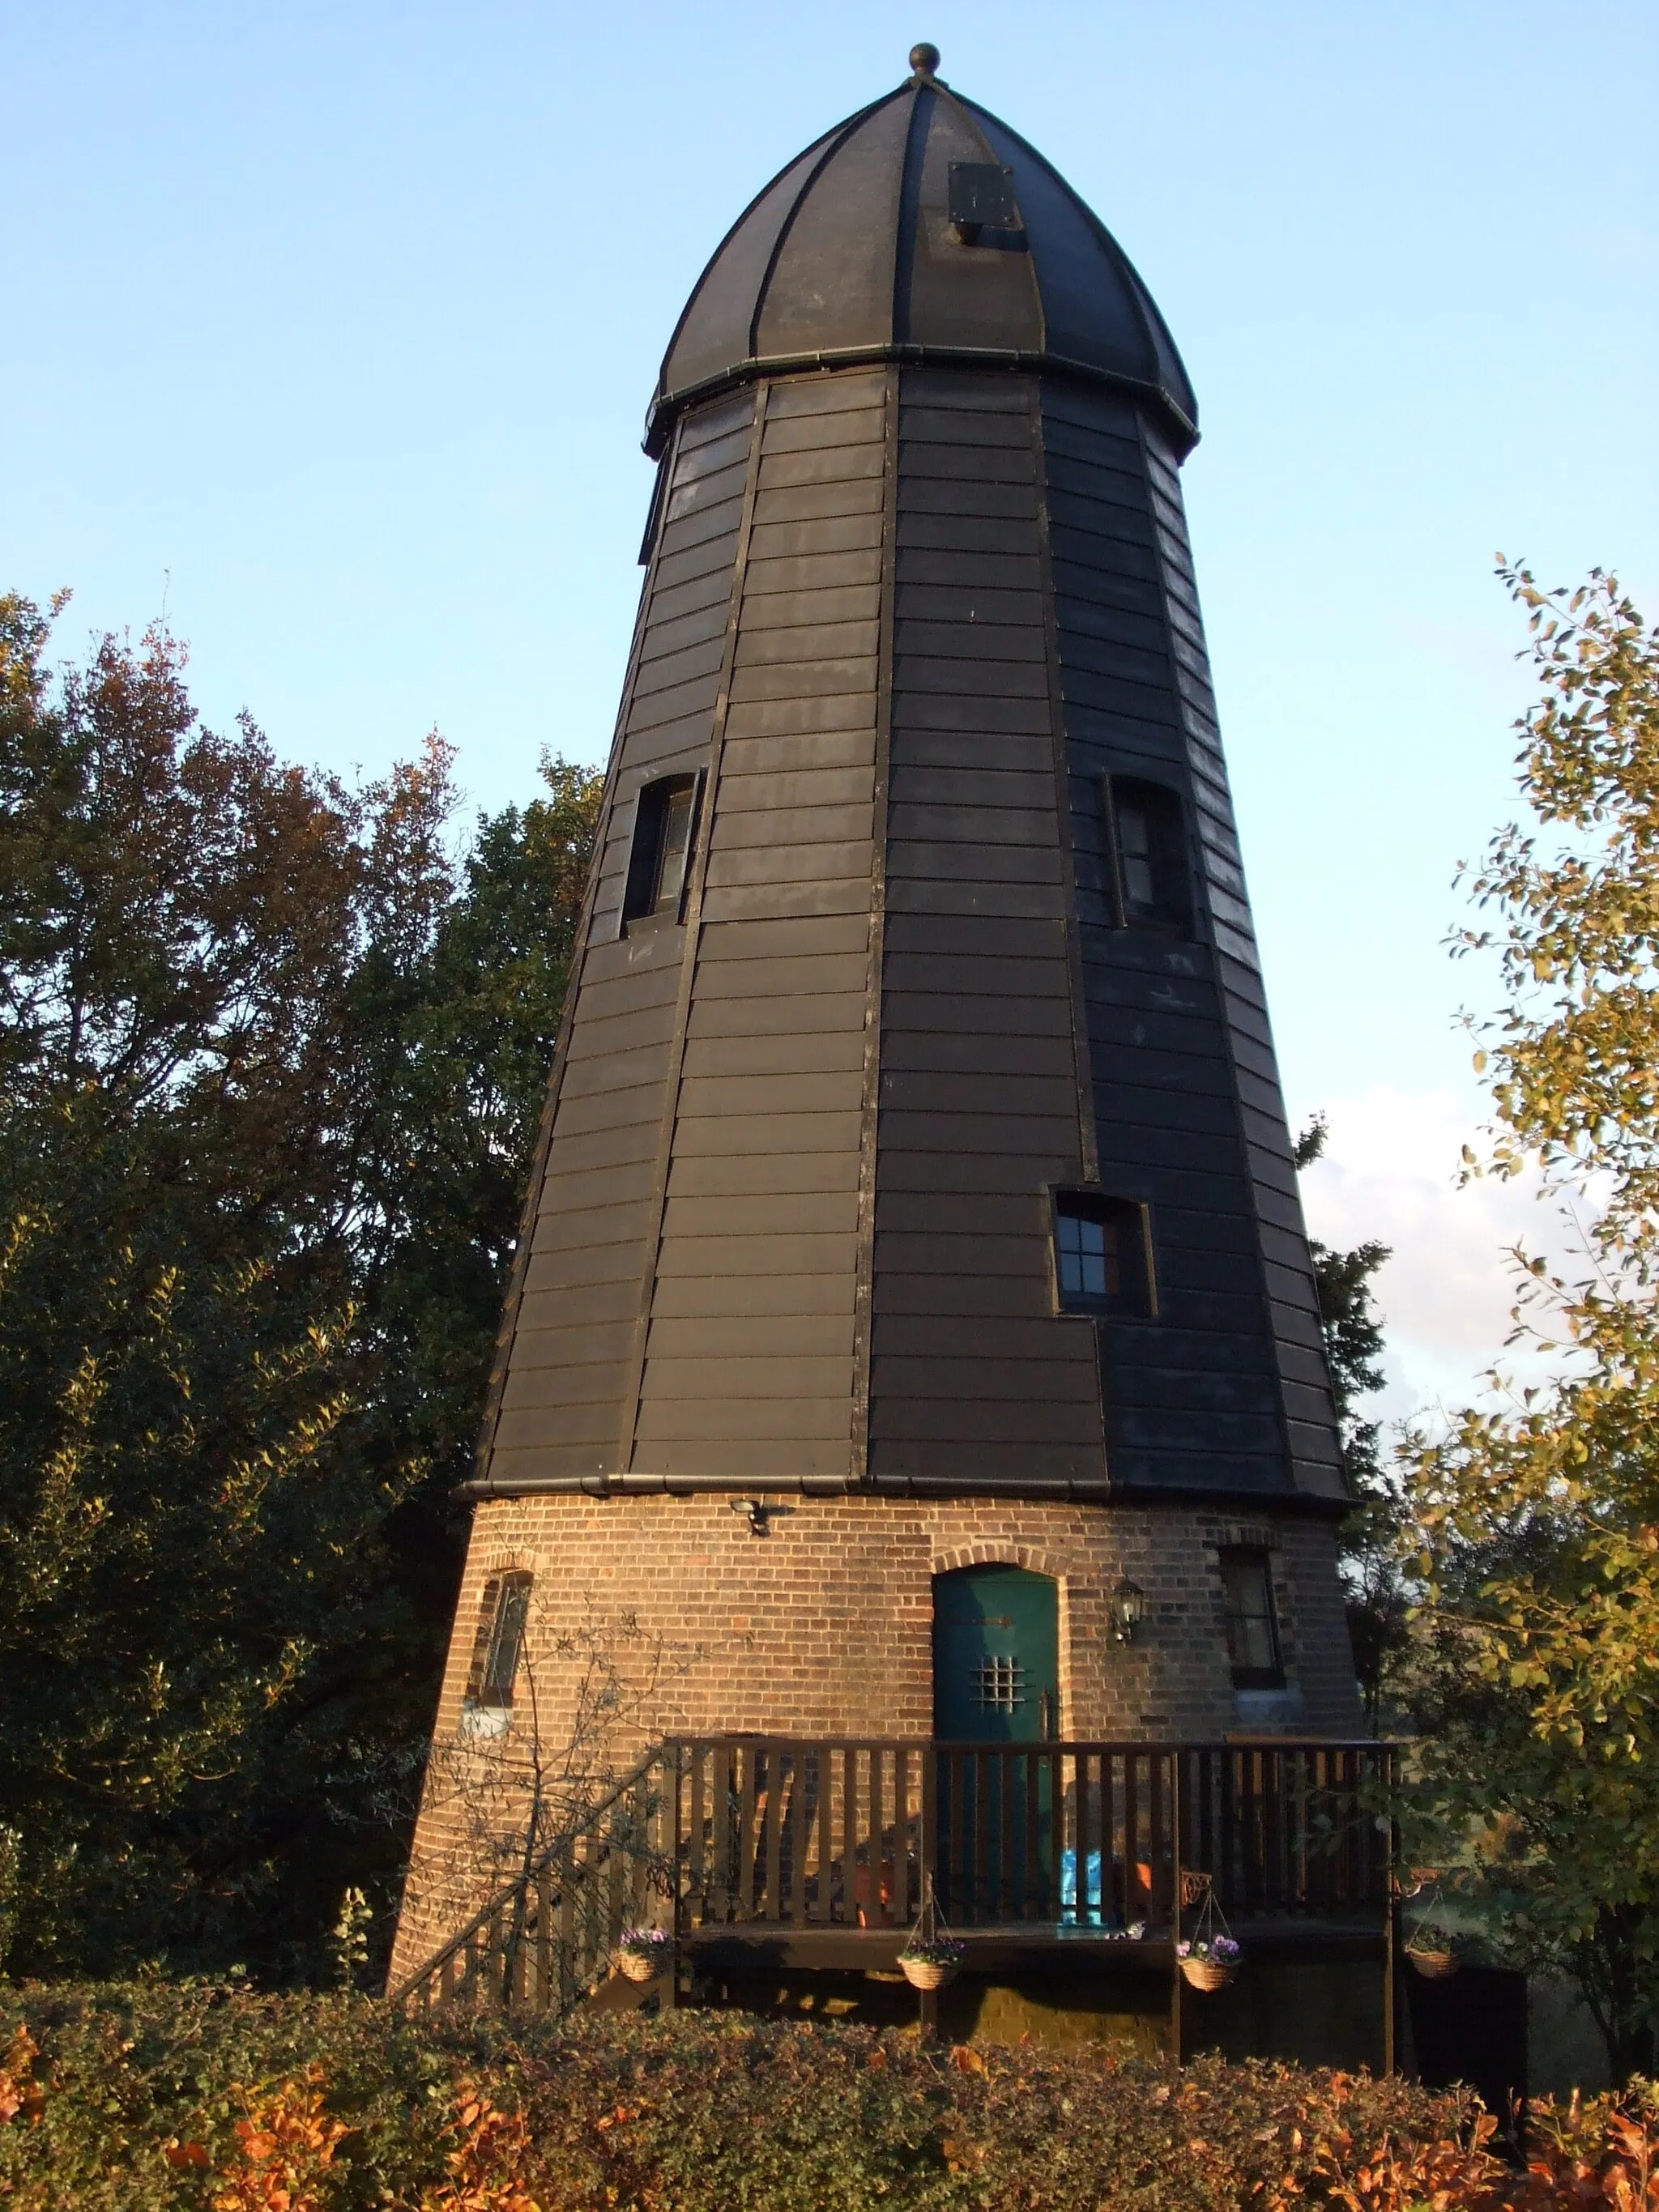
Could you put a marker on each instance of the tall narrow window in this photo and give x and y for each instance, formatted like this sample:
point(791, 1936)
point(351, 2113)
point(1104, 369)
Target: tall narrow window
point(665, 828)
point(1252, 1629)
point(1100, 1253)
point(1149, 854)
point(499, 1643)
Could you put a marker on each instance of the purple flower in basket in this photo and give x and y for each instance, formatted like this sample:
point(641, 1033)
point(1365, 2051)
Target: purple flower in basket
point(645, 1942)
point(936, 1950)
point(1221, 1949)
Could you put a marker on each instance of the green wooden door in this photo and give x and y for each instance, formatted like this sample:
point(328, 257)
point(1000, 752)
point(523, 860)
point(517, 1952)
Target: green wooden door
point(996, 1680)
point(996, 1656)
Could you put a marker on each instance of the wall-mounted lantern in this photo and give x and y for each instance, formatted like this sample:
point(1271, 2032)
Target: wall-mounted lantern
point(1128, 1609)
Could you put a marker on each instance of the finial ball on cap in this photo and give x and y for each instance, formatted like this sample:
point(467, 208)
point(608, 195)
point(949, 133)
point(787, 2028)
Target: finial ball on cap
point(924, 58)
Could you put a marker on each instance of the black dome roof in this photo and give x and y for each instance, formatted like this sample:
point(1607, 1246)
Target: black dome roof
point(851, 254)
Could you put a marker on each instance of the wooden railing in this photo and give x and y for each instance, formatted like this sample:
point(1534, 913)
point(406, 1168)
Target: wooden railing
point(803, 1834)
point(779, 1832)
point(542, 1943)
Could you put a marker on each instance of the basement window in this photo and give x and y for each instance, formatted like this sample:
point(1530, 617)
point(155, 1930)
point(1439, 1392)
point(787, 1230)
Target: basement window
point(1147, 839)
point(1252, 1626)
point(499, 1644)
point(664, 830)
point(1101, 1254)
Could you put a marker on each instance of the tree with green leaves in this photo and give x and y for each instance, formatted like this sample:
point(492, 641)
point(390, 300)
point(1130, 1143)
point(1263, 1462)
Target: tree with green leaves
point(1533, 1524)
point(1375, 1600)
point(272, 1053)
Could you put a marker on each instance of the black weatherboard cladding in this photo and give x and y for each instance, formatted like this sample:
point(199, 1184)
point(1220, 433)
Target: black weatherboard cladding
point(973, 1374)
point(1041, 578)
point(1229, 1380)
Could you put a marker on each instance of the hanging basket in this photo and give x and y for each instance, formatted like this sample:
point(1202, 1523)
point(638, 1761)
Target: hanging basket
point(1210, 1974)
point(937, 1954)
point(644, 1952)
point(1211, 1959)
point(1430, 1944)
point(1432, 1963)
point(928, 1973)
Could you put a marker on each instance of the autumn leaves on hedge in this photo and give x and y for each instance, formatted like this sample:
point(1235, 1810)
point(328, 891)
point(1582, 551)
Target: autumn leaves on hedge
point(206, 2098)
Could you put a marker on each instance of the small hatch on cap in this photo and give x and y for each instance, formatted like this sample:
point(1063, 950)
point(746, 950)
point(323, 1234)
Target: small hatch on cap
point(981, 202)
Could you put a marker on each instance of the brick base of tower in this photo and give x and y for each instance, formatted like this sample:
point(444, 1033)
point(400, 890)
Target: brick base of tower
point(677, 1617)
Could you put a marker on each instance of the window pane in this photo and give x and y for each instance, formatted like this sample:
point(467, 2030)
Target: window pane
point(1252, 1642)
point(505, 1642)
point(664, 819)
point(1150, 848)
point(1094, 1258)
point(676, 838)
point(1097, 1246)
point(1135, 832)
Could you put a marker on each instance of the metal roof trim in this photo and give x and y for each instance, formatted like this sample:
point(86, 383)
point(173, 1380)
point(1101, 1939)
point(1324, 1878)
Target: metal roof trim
point(668, 405)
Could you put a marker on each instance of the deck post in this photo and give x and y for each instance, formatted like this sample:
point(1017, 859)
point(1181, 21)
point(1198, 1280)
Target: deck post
point(1391, 1929)
point(1174, 1906)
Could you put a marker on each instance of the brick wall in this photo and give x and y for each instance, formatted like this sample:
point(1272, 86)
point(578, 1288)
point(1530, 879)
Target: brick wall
point(666, 1615)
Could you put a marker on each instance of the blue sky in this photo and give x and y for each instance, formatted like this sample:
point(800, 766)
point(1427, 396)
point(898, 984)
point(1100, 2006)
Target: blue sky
point(332, 329)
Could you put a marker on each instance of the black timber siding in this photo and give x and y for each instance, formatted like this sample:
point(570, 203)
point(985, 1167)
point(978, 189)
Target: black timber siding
point(749, 1366)
point(569, 1397)
point(972, 1372)
point(1227, 1386)
point(793, 1214)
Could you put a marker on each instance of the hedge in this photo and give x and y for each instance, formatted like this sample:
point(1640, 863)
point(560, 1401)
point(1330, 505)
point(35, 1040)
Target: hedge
point(218, 2099)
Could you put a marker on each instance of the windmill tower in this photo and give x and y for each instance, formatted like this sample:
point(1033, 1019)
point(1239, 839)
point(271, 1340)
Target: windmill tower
point(915, 1177)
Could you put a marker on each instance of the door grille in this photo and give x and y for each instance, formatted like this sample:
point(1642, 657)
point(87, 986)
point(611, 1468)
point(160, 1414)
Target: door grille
point(1000, 1684)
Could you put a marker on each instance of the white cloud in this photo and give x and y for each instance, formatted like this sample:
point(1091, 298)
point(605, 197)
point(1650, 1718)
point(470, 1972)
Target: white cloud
point(1391, 1172)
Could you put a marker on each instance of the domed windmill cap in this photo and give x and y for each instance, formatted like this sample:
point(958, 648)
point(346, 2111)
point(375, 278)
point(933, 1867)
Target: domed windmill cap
point(920, 229)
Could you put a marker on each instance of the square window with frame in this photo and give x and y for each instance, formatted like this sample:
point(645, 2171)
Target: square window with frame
point(1103, 1255)
point(1247, 1586)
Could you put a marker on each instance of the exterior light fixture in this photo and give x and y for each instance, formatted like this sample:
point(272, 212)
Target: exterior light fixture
point(1128, 1609)
point(758, 1512)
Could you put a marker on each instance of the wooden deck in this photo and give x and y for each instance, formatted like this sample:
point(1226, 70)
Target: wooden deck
point(781, 1855)
point(1019, 1946)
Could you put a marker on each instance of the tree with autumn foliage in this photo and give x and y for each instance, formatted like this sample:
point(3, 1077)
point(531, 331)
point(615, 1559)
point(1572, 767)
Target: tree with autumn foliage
point(1533, 1524)
point(271, 1053)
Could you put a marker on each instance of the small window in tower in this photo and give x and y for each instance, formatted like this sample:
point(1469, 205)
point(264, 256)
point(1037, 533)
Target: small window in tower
point(1101, 1256)
point(664, 830)
point(500, 1643)
point(1148, 841)
point(979, 203)
point(1252, 1627)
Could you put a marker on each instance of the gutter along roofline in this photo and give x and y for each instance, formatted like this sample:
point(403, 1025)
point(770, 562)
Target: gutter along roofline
point(636, 1483)
point(916, 353)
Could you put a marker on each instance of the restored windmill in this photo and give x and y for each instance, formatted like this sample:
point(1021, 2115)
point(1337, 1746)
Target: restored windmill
point(914, 1176)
